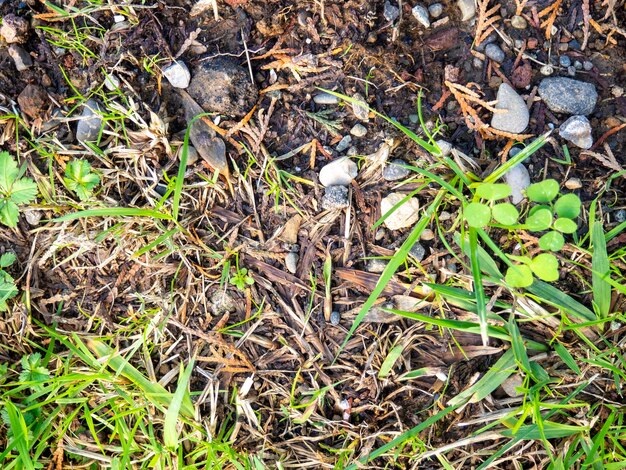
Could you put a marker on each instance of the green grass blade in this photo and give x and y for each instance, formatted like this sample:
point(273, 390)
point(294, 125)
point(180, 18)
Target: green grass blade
point(567, 358)
point(551, 430)
point(154, 392)
point(517, 159)
point(498, 373)
point(155, 243)
point(601, 267)
point(481, 304)
point(170, 432)
point(390, 361)
point(20, 434)
point(114, 212)
point(487, 263)
point(546, 293)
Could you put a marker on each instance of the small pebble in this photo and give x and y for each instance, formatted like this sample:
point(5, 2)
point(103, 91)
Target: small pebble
point(14, 29)
point(617, 91)
point(358, 130)
point(352, 151)
point(344, 143)
point(380, 234)
point(118, 18)
point(494, 52)
point(546, 70)
point(620, 216)
point(563, 47)
point(111, 82)
point(435, 10)
point(404, 216)
point(514, 117)
point(578, 64)
point(335, 318)
point(577, 130)
point(518, 179)
point(390, 12)
point(477, 63)
point(511, 384)
point(427, 235)
point(418, 251)
point(518, 43)
point(32, 217)
point(452, 267)
point(571, 71)
point(177, 74)
point(21, 58)
point(420, 13)
point(291, 262)
point(375, 265)
point(325, 99)
point(361, 111)
point(587, 65)
point(519, 22)
point(573, 183)
point(339, 172)
point(468, 9)
point(90, 122)
point(395, 171)
point(565, 61)
point(445, 215)
point(414, 118)
point(444, 146)
point(335, 197)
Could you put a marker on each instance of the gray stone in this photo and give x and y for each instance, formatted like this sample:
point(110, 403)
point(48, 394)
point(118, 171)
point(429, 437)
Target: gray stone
point(565, 61)
point(578, 64)
point(344, 143)
point(420, 13)
point(395, 171)
point(444, 146)
point(494, 52)
point(20, 57)
point(511, 384)
point(587, 65)
point(221, 85)
point(519, 22)
point(222, 302)
point(414, 118)
point(515, 116)
point(192, 155)
point(32, 217)
point(435, 10)
point(177, 74)
point(390, 12)
point(468, 9)
point(335, 318)
point(620, 216)
point(291, 262)
point(404, 216)
point(375, 265)
point(339, 172)
point(360, 109)
point(565, 95)
point(571, 71)
point(577, 130)
point(418, 251)
point(14, 29)
point(325, 99)
point(358, 130)
point(477, 63)
point(335, 197)
point(90, 122)
point(111, 82)
point(546, 70)
point(210, 147)
point(518, 179)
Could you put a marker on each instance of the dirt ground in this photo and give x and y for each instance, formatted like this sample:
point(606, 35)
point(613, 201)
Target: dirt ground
point(85, 277)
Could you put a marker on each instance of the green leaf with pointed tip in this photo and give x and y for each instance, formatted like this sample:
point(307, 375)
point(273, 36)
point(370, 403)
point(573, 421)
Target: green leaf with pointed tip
point(546, 267)
point(567, 206)
point(544, 191)
point(551, 241)
point(7, 260)
point(9, 213)
point(493, 191)
point(477, 215)
point(505, 213)
point(23, 190)
point(539, 221)
point(565, 225)
point(519, 275)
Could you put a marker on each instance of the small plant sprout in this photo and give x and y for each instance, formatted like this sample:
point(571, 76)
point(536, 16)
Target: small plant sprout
point(14, 190)
point(80, 179)
point(8, 290)
point(555, 216)
point(241, 279)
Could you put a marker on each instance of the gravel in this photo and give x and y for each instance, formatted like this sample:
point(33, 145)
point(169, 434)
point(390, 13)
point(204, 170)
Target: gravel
point(339, 172)
point(420, 13)
point(21, 58)
point(14, 29)
point(518, 179)
point(111, 82)
point(515, 116)
point(620, 216)
point(565, 61)
point(394, 171)
point(344, 143)
point(325, 99)
point(390, 12)
point(177, 74)
point(435, 10)
point(587, 65)
point(418, 251)
point(291, 262)
point(494, 52)
point(577, 130)
point(519, 22)
point(376, 265)
point(358, 130)
point(90, 122)
point(404, 216)
point(335, 197)
point(335, 317)
point(361, 111)
point(565, 95)
point(468, 9)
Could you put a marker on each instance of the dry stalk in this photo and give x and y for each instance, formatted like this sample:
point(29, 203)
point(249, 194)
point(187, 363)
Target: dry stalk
point(486, 20)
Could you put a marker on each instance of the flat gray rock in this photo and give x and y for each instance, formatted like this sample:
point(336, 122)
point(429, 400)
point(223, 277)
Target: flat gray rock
point(577, 130)
point(569, 96)
point(515, 117)
point(395, 171)
point(335, 197)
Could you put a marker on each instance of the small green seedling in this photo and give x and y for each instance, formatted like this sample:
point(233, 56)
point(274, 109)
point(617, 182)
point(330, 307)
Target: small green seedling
point(14, 190)
point(80, 179)
point(240, 279)
point(555, 216)
point(8, 290)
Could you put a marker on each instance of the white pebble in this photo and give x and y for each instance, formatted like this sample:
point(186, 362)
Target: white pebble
point(339, 172)
point(177, 74)
point(518, 179)
point(404, 216)
point(421, 15)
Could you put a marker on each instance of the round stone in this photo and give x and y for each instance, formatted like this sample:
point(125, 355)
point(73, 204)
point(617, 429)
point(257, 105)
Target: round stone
point(518, 22)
